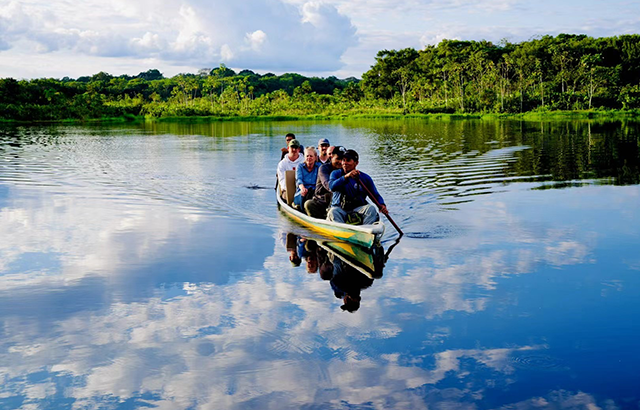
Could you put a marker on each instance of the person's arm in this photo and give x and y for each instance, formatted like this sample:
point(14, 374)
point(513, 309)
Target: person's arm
point(299, 181)
point(368, 182)
point(323, 178)
point(337, 181)
point(299, 175)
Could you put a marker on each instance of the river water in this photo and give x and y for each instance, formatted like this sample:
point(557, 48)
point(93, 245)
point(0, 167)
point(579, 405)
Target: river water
point(146, 265)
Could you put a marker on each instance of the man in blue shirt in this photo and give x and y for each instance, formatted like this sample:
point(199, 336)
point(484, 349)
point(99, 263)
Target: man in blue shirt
point(349, 203)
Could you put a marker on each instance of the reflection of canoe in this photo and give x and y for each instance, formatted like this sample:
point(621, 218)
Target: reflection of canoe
point(363, 235)
point(369, 261)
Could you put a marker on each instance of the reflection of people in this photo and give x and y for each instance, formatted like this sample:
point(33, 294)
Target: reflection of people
point(349, 203)
point(291, 243)
point(325, 266)
point(306, 176)
point(347, 283)
point(308, 249)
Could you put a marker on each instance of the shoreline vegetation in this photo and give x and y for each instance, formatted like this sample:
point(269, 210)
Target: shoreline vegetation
point(567, 76)
point(529, 116)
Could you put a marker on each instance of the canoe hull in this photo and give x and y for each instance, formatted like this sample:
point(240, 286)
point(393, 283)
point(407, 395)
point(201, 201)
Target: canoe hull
point(362, 235)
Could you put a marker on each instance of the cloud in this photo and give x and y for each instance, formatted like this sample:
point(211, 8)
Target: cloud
point(563, 400)
point(261, 34)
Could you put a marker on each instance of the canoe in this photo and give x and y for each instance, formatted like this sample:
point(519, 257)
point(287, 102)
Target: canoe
point(362, 235)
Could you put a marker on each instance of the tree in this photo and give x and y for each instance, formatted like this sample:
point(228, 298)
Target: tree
point(589, 65)
point(151, 75)
point(405, 77)
point(383, 78)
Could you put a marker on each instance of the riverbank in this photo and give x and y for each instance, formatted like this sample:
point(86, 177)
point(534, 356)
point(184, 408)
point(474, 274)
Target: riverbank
point(533, 115)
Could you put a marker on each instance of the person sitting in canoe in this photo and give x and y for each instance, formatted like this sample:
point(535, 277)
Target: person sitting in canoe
point(317, 207)
point(291, 161)
point(290, 136)
point(323, 151)
point(349, 203)
point(306, 176)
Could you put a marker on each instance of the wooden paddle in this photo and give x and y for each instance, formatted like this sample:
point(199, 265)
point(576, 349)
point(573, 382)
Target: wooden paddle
point(375, 201)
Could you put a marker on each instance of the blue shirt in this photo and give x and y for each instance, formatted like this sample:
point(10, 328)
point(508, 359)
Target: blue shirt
point(306, 177)
point(352, 189)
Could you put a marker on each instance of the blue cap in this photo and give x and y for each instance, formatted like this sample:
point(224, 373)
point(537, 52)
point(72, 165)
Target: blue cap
point(323, 141)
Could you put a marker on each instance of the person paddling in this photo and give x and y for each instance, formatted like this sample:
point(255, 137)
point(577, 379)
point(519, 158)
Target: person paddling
point(349, 203)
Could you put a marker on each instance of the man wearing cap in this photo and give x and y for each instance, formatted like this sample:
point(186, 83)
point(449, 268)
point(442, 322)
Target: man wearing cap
point(290, 162)
point(290, 136)
point(323, 151)
point(317, 207)
point(349, 203)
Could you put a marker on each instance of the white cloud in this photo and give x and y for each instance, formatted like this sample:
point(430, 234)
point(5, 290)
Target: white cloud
point(203, 33)
point(256, 39)
point(307, 36)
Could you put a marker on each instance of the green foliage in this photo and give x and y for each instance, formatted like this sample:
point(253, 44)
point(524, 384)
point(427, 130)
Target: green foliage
point(542, 76)
point(566, 72)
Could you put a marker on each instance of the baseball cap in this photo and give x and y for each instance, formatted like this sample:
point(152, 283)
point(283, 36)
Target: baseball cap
point(294, 143)
point(339, 151)
point(323, 141)
point(351, 154)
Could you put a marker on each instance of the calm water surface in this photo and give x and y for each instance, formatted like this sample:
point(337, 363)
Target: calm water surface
point(147, 266)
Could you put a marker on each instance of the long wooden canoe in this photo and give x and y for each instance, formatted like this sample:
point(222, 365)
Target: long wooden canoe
point(362, 235)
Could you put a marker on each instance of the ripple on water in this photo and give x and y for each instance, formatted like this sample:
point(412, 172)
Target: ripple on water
point(538, 362)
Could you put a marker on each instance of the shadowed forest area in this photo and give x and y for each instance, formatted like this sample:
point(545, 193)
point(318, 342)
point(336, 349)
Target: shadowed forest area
point(562, 73)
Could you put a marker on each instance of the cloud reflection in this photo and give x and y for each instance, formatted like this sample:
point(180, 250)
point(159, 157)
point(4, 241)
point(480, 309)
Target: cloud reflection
point(105, 302)
point(270, 337)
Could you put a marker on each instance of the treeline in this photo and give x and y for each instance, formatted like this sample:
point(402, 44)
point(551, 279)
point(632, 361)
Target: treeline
point(566, 72)
point(216, 92)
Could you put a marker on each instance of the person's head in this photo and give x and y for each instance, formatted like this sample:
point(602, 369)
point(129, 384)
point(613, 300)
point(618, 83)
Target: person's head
point(336, 153)
point(289, 137)
point(295, 258)
point(323, 145)
point(294, 148)
point(351, 303)
point(312, 263)
point(310, 156)
point(326, 271)
point(349, 161)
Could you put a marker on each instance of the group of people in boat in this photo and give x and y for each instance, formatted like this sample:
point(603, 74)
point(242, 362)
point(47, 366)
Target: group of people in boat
point(328, 183)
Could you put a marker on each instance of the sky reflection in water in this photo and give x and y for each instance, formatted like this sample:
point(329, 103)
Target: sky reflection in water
point(126, 281)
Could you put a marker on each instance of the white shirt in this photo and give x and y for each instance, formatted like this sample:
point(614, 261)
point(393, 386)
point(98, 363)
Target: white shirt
point(287, 165)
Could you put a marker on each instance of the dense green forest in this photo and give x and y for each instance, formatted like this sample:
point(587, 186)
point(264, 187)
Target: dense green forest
point(566, 72)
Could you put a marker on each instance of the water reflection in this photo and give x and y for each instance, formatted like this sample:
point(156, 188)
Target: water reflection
point(137, 270)
point(464, 158)
point(347, 267)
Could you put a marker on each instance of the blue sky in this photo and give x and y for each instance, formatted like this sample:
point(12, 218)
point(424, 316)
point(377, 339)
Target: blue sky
point(60, 38)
